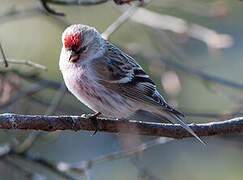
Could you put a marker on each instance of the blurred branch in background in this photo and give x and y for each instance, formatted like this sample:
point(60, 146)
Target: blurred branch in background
point(24, 62)
point(177, 25)
point(78, 2)
point(4, 56)
point(27, 63)
point(64, 169)
point(144, 172)
point(122, 19)
point(202, 75)
point(24, 171)
point(15, 14)
point(24, 92)
point(79, 167)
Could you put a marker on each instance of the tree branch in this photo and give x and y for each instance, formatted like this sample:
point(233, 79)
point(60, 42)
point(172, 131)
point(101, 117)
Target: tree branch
point(4, 56)
point(177, 25)
point(23, 170)
point(75, 123)
point(27, 63)
point(122, 19)
point(45, 4)
point(203, 75)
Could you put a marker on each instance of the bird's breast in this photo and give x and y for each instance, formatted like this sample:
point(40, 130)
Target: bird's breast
point(94, 95)
point(82, 84)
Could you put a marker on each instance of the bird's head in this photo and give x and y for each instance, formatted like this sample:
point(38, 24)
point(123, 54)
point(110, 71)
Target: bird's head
point(81, 42)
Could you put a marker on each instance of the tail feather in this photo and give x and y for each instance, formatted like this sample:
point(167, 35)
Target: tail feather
point(184, 125)
point(172, 110)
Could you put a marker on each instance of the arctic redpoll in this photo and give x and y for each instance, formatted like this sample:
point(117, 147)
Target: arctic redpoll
point(107, 80)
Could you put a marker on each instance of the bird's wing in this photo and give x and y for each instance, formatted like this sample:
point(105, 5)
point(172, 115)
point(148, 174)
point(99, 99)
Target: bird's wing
point(118, 71)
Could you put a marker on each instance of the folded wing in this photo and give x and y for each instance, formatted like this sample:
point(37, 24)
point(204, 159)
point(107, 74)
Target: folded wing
point(121, 73)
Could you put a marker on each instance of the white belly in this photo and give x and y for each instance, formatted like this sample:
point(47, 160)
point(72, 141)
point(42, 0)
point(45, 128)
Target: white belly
point(98, 98)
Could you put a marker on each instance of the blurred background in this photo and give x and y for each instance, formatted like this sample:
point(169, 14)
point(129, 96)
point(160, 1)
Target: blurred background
point(193, 51)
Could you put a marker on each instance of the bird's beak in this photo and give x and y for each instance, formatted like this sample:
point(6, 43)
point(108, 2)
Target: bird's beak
point(73, 57)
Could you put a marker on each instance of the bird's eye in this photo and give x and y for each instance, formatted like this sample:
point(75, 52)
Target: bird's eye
point(81, 50)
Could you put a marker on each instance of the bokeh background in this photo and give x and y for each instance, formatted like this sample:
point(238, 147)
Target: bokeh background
point(29, 33)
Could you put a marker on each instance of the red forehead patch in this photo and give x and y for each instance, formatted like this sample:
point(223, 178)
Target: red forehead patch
point(73, 41)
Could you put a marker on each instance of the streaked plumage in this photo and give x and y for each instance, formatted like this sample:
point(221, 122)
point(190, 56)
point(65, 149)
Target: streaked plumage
point(108, 80)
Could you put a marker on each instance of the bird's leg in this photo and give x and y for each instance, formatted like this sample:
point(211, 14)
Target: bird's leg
point(93, 118)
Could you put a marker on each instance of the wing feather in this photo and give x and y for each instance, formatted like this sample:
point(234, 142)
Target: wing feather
point(121, 73)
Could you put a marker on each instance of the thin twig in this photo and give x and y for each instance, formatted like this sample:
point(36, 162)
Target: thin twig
point(34, 77)
point(80, 167)
point(50, 10)
point(23, 93)
point(45, 4)
point(62, 169)
point(88, 174)
point(16, 14)
point(27, 63)
point(143, 171)
point(27, 173)
point(77, 2)
point(57, 99)
point(129, 152)
point(45, 163)
point(4, 56)
point(202, 75)
point(7, 151)
point(122, 19)
point(86, 2)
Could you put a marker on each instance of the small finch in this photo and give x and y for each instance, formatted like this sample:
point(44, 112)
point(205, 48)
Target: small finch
point(107, 80)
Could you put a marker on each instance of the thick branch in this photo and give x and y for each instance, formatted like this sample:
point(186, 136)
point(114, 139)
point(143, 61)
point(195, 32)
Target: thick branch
point(75, 123)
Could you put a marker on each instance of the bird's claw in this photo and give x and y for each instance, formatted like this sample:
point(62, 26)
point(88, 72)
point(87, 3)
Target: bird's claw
point(93, 118)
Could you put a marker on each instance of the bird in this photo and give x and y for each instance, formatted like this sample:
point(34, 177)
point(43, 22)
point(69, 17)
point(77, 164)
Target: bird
point(109, 81)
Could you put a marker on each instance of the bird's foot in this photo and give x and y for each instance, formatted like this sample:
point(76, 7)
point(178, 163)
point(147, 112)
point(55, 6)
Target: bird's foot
point(93, 118)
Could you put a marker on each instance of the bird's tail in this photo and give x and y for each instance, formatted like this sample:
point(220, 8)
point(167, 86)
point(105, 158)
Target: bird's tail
point(174, 118)
point(184, 125)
